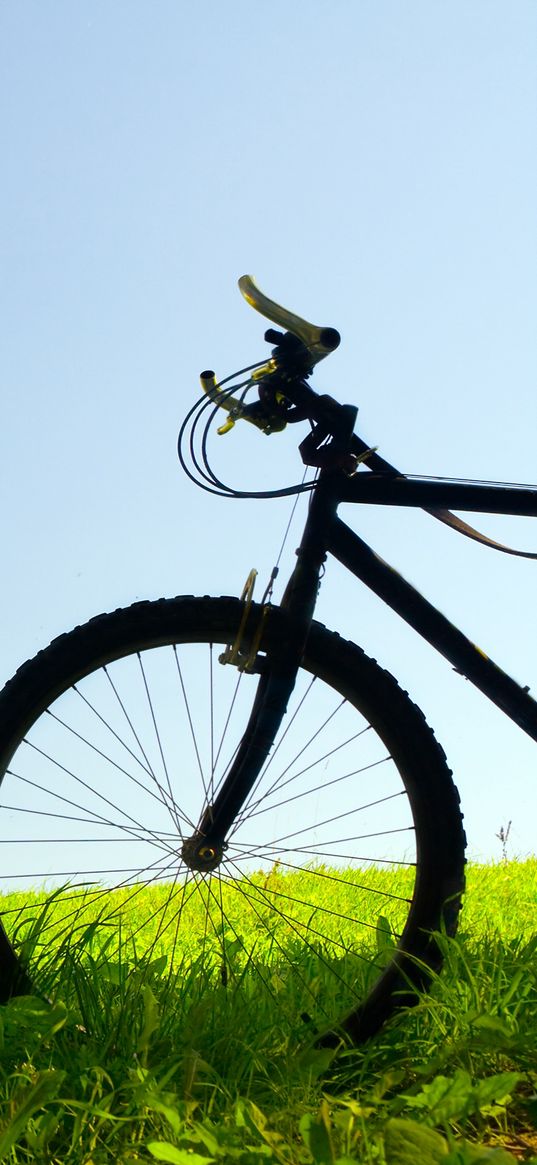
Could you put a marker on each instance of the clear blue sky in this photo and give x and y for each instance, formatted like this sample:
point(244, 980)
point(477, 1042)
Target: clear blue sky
point(374, 164)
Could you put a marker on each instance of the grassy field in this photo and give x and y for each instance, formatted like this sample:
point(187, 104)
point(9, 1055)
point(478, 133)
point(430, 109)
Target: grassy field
point(128, 1066)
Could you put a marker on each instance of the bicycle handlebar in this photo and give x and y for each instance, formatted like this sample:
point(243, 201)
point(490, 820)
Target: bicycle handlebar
point(296, 352)
point(283, 391)
point(324, 410)
point(285, 396)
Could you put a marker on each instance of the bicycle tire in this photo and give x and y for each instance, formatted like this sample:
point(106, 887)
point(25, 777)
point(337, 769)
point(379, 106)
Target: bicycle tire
point(342, 985)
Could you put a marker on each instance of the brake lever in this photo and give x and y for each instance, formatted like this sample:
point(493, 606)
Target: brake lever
point(319, 341)
point(269, 420)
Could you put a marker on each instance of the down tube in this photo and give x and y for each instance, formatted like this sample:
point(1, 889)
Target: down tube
point(464, 656)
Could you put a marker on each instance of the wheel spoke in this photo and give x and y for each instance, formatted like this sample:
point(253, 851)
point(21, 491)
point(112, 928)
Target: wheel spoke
point(310, 872)
point(274, 853)
point(171, 804)
point(150, 792)
point(279, 782)
point(95, 819)
point(303, 931)
point(146, 767)
point(317, 788)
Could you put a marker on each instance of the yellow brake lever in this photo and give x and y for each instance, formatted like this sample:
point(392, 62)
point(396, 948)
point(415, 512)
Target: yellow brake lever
point(319, 341)
point(234, 407)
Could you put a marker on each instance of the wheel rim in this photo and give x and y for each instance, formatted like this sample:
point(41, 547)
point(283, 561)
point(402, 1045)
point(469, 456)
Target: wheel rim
point(312, 891)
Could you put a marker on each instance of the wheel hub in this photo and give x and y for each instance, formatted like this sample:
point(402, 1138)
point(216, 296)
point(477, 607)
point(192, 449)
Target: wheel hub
point(199, 854)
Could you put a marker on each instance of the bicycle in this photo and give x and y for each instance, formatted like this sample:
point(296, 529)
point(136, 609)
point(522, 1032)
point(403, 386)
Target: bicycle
point(250, 859)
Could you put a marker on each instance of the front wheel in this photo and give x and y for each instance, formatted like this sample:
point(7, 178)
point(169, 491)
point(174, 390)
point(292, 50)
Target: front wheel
point(347, 856)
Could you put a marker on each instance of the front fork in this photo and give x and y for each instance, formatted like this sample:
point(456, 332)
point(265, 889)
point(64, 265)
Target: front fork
point(204, 850)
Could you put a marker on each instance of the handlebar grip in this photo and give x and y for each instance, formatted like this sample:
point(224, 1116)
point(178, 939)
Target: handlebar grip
point(208, 383)
point(319, 341)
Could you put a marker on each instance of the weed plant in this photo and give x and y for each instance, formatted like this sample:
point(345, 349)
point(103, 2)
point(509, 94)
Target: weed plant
point(126, 1062)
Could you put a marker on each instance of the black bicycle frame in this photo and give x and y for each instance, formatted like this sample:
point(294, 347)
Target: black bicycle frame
point(361, 560)
point(324, 534)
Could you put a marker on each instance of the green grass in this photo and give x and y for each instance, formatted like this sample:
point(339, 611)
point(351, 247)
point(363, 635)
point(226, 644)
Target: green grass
point(128, 1065)
point(131, 928)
